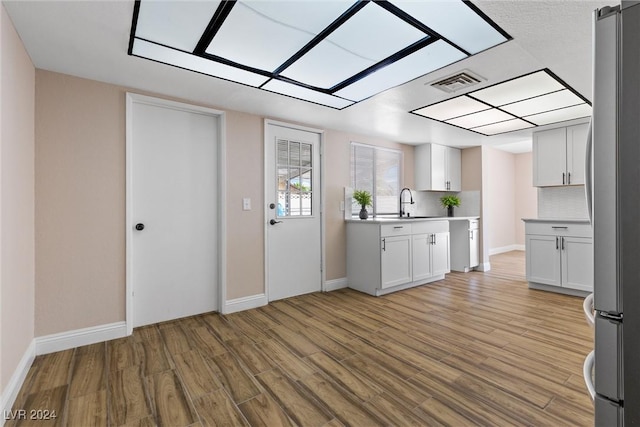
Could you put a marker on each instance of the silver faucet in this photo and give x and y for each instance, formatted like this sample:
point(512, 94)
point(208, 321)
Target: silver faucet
point(404, 203)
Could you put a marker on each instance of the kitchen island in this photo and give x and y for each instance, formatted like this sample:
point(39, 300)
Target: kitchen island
point(385, 255)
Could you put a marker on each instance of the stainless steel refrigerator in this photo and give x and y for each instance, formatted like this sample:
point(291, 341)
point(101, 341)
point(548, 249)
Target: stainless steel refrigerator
point(613, 196)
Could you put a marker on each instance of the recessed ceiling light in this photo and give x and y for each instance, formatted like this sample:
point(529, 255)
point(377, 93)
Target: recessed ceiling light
point(332, 53)
point(535, 99)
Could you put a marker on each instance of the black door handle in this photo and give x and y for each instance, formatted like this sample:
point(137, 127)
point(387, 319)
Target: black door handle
point(139, 226)
point(274, 222)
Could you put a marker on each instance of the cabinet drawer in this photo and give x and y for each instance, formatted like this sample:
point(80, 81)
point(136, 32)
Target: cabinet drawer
point(559, 229)
point(394, 229)
point(422, 227)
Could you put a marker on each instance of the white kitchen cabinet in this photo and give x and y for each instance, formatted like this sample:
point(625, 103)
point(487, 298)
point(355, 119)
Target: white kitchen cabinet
point(395, 261)
point(559, 156)
point(465, 245)
point(559, 256)
point(387, 256)
point(437, 168)
point(431, 256)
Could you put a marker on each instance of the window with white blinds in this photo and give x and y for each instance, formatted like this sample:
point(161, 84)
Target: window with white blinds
point(376, 170)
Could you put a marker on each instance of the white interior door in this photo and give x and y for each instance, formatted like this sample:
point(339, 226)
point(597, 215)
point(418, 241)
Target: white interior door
point(293, 248)
point(173, 212)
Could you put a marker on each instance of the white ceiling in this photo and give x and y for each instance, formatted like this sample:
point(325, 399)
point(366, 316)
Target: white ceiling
point(90, 39)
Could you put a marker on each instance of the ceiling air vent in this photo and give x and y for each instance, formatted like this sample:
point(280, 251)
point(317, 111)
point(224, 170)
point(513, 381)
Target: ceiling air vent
point(461, 80)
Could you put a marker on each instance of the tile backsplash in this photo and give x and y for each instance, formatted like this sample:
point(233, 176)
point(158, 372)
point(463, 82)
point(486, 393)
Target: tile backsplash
point(428, 204)
point(562, 202)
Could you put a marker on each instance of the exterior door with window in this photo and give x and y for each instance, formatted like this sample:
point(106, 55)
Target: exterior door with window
point(293, 221)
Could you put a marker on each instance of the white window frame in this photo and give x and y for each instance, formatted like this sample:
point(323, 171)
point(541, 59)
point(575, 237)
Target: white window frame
point(376, 149)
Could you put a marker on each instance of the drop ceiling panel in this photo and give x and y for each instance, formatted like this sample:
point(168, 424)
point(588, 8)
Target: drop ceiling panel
point(481, 119)
point(452, 108)
point(356, 45)
point(502, 127)
point(177, 24)
point(560, 99)
point(468, 30)
point(425, 60)
point(563, 114)
point(184, 60)
point(525, 87)
point(264, 35)
point(300, 92)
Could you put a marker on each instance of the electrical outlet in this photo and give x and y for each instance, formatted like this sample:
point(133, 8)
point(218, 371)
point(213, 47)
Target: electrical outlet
point(342, 206)
point(246, 204)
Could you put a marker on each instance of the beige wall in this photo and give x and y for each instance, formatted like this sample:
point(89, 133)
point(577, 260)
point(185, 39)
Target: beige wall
point(80, 210)
point(80, 204)
point(526, 194)
point(499, 198)
point(16, 200)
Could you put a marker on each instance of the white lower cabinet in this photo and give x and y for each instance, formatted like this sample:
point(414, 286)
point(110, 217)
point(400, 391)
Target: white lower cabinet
point(383, 258)
point(430, 255)
point(395, 261)
point(559, 256)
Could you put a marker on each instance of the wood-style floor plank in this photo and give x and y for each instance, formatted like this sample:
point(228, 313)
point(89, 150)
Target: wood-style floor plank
point(472, 349)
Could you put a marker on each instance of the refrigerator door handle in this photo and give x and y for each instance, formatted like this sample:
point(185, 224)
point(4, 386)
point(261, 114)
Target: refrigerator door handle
point(588, 172)
point(587, 369)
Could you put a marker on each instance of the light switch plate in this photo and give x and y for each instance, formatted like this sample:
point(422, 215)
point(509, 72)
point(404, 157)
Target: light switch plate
point(246, 204)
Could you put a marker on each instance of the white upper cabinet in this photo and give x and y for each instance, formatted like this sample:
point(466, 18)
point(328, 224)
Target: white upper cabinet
point(437, 168)
point(559, 156)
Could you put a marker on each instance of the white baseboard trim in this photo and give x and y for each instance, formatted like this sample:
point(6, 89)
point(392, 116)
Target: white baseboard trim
point(484, 266)
point(503, 249)
point(79, 337)
point(10, 393)
point(332, 285)
point(244, 303)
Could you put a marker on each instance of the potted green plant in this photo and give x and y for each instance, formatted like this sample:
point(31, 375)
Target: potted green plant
point(448, 202)
point(363, 198)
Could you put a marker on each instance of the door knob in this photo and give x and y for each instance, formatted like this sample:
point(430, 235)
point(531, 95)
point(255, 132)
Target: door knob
point(274, 222)
point(139, 226)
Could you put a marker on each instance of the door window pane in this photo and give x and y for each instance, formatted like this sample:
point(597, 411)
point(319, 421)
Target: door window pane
point(295, 186)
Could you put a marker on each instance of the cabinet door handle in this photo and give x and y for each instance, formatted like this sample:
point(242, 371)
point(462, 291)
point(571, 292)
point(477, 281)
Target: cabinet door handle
point(556, 243)
point(562, 240)
point(569, 178)
point(563, 176)
point(398, 226)
point(384, 244)
point(556, 227)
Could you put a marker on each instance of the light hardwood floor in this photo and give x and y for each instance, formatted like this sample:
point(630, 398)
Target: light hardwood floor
point(474, 349)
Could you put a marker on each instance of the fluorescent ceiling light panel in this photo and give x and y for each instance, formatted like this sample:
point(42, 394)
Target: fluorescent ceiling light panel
point(177, 24)
point(561, 115)
point(452, 108)
point(356, 45)
point(515, 90)
point(535, 99)
point(480, 119)
point(468, 30)
point(330, 52)
point(184, 60)
point(551, 101)
point(502, 127)
point(427, 59)
point(299, 92)
point(264, 34)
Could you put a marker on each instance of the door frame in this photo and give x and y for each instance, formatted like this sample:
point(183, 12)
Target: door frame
point(268, 195)
point(134, 98)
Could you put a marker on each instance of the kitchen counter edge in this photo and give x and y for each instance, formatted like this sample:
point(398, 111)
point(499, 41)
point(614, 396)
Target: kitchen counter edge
point(404, 220)
point(567, 220)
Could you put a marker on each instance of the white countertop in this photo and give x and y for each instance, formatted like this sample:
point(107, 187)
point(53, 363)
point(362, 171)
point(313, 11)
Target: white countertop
point(387, 220)
point(567, 220)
